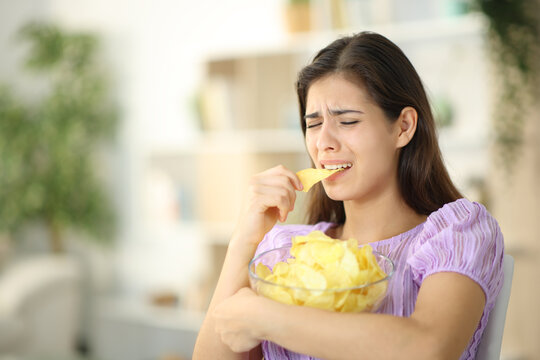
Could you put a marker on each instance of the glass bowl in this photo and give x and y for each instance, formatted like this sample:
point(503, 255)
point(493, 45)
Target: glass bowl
point(364, 297)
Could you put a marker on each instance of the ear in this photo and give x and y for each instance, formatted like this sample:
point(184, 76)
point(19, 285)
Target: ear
point(406, 124)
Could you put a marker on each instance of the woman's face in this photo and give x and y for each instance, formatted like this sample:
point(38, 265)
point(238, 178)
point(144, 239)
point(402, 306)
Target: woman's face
point(344, 128)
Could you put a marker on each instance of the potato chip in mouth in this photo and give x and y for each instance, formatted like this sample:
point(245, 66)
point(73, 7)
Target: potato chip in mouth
point(309, 177)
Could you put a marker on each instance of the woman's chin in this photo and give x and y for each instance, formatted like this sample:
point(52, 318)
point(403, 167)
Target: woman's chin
point(336, 195)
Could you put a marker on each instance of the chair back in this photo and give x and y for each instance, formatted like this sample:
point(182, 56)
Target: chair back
point(490, 345)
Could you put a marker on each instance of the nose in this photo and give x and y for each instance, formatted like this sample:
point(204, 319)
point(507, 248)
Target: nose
point(327, 139)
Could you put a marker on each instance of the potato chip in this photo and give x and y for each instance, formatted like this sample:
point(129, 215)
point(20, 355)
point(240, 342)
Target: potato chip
point(281, 269)
point(309, 177)
point(319, 269)
point(322, 300)
point(337, 277)
point(350, 265)
point(340, 299)
point(262, 271)
point(350, 304)
point(310, 278)
point(275, 293)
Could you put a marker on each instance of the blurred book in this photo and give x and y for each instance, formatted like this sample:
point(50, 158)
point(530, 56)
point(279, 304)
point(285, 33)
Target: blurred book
point(216, 100)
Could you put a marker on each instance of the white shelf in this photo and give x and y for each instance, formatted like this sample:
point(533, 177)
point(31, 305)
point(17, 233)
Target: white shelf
point(239, 141)
point(446, 28)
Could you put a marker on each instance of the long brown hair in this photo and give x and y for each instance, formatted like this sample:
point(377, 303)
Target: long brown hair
point(392, 83)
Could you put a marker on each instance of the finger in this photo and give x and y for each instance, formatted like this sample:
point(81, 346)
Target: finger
point(273, 196)
point(293, 178)
point(277, 185)
point(270, 205)
point(281, 207)
point(283, 215)
point(298, 184)
point(279, 181)
point(281, 170)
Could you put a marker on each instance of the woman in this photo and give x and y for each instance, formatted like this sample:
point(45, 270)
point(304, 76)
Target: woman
point(363, 107)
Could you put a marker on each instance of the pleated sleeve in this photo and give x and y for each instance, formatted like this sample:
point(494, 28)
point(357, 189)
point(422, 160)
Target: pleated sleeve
point(461, 237)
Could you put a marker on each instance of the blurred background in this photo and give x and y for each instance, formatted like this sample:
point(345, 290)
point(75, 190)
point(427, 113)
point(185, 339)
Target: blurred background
point(128, 130)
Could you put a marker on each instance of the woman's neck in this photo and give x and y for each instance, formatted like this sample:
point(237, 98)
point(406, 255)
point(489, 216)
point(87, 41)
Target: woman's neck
point(377, 219)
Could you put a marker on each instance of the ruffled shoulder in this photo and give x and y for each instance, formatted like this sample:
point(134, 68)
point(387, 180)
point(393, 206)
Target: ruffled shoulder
point(281, 235)
point(461, 237)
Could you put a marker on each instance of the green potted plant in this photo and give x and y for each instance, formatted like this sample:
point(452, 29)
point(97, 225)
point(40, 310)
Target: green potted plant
point(48, 147)
point(514, 45)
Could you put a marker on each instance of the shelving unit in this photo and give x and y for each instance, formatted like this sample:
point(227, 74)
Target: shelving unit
point(249, 116)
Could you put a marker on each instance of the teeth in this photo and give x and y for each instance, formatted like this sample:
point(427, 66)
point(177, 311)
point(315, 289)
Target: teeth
point(337, 166)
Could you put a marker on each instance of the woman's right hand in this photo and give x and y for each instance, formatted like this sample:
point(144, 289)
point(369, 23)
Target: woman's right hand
point(270, 197)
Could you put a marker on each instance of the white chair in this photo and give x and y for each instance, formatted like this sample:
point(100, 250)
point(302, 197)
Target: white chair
point(39, 307)
point(490, 346)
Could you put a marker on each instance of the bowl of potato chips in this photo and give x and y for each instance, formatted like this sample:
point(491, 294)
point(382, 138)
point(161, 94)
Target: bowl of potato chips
point(321, 272)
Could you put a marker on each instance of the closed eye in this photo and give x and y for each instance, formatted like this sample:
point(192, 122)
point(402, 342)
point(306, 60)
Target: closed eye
point(313, 125)
point(349, 122)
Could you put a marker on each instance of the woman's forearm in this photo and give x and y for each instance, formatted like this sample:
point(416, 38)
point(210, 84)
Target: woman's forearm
point(435, 330)
point(329, 335)
point(233, 277)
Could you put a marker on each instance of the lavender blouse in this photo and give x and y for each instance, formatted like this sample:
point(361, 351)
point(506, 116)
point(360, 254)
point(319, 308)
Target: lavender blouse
point(460, 237)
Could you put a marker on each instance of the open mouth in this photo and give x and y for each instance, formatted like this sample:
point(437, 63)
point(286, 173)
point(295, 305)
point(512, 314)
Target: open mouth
point(337, 166)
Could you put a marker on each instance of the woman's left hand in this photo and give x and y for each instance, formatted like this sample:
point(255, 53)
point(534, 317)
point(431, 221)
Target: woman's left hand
point(236, 320)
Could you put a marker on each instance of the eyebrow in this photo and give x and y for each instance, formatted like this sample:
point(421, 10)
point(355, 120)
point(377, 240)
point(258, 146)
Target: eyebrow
point(332, 112)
